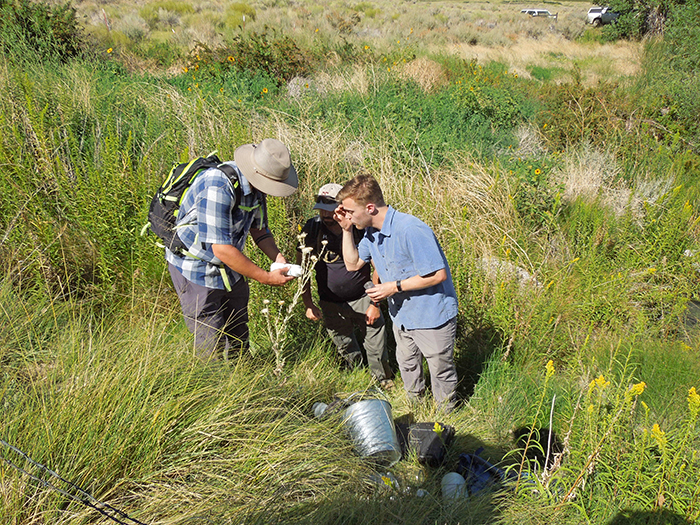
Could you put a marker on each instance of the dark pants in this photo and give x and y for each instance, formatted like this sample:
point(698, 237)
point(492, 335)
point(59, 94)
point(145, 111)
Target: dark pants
point(217, 318)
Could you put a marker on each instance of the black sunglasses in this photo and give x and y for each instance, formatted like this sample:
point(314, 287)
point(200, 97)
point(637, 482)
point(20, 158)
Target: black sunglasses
point(325, 200)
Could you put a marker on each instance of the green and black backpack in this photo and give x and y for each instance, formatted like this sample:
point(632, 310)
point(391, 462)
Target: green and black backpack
point(162, 214)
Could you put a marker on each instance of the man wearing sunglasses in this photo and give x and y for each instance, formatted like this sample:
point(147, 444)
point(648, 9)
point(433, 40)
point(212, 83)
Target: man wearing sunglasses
point(344, 305)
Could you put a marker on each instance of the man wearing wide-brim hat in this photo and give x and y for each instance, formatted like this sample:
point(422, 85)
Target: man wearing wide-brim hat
point(210, 277)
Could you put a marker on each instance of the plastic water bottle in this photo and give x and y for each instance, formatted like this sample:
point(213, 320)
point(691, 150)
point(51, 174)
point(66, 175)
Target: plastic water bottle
point(319, 408)
point(453, 486)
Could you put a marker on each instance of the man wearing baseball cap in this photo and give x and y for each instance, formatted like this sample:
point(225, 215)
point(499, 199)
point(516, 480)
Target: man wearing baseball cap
point(344, 305)
point(210, 280)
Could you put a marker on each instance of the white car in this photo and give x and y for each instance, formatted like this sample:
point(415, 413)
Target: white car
point(597, 16)
point(538, 12)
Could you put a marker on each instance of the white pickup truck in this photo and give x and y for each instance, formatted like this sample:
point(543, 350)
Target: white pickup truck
point(597, 16)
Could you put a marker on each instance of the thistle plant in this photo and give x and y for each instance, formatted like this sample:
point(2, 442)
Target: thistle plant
point(276, 323)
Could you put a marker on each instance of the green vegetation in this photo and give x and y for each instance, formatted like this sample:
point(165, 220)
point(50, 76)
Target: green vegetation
point(567, 210)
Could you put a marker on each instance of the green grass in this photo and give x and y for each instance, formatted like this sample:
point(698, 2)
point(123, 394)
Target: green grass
point(588, 189)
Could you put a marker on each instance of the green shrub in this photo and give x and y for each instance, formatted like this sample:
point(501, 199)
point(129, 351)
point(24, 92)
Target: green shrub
point(270, 53)
point(165, 12)
point(536, 197)
point(241, 8)
point(683, 36)
point(39, 30)
point(164, 54)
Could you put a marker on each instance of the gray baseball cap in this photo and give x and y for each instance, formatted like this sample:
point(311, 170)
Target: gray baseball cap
point(325, 199)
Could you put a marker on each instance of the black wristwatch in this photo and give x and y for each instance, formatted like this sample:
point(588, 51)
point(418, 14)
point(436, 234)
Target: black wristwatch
point(374, 303)
point(398, 286)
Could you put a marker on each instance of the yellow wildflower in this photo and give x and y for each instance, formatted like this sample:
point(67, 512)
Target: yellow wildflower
point(658, 435)
point(550, 369)
point(538, 171)
point(438, 428)
point(264, 90)
point(110, 50)
point(599, 382)
point(693, 402)
point(231, 59)
point(636, 390)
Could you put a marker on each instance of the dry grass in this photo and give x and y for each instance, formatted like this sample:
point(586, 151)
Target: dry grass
point(473, 30)
point(597, 61)
point(426, 73)
point(593, 175)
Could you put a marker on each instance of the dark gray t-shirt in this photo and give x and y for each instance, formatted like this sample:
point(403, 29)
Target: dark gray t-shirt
point(335, 283)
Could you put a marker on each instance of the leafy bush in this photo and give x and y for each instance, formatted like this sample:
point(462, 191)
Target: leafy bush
point(574, 113)
point(536, 198)
point(275, 55)
point(39, 30)
point(683, 36)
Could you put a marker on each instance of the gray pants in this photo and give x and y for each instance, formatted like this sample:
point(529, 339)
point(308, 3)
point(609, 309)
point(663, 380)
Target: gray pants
point(437, 346)
point(341, 319)
point(217, 318)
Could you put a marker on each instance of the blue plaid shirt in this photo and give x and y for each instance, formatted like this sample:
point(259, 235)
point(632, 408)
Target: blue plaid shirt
point(207, 216)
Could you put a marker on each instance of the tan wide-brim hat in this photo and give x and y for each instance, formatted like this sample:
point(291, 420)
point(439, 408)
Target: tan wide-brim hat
point(268, 167)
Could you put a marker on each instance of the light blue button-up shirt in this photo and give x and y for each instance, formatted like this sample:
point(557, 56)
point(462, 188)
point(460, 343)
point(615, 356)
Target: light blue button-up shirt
point(404, 247)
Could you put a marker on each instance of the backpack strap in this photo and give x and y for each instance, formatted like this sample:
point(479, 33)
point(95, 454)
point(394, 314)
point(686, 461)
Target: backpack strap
point(232, 175)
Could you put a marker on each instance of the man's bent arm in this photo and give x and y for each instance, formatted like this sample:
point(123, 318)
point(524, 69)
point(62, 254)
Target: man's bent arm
point(351, 256)
point(266, 243)
point(417, 282)
point(239, 263)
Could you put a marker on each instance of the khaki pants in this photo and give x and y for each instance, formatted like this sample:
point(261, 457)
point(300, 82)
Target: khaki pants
point(437, 346)
point(341, 320)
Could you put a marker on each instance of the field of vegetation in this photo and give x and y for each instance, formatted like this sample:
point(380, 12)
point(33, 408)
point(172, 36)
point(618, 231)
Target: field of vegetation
point(558, 164)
